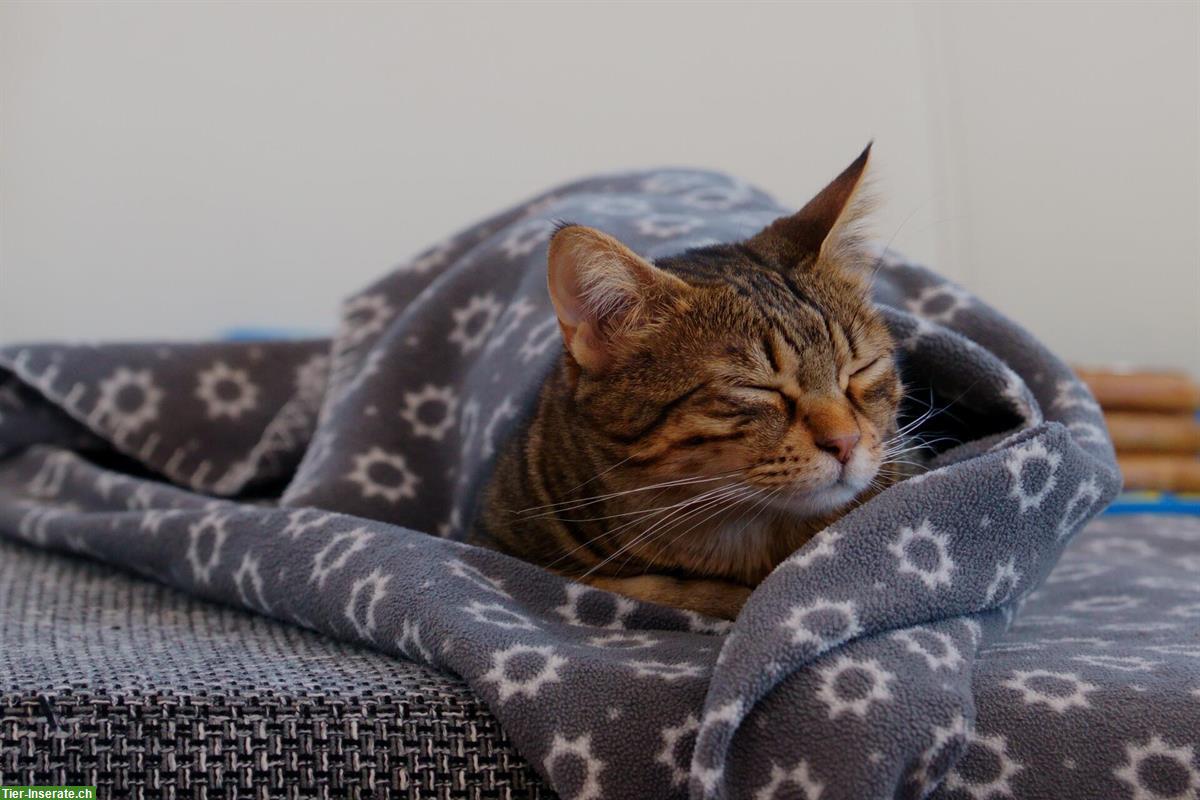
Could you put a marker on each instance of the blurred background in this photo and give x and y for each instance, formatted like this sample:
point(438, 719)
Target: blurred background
point(175, 170)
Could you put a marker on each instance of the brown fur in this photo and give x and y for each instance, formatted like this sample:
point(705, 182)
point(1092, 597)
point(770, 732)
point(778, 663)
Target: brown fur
point(749, 367)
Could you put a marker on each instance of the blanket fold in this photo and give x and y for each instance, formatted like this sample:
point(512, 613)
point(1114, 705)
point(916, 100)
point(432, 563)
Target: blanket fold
point(303, 480)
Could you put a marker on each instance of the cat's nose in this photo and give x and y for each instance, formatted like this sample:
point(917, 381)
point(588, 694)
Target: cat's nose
point(840, 446)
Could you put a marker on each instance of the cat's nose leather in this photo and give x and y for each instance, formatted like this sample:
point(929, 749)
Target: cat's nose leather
point(840, 447)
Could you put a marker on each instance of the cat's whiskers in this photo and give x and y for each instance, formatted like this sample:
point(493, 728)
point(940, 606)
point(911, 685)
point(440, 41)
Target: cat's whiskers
point(762, 504)
point(747, 493)
point(695, 506)
point(640, 516)
point(601, 474)
point(900, 452)
point(571, 505)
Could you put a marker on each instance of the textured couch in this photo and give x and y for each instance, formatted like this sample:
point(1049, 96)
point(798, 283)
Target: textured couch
point(113, 681)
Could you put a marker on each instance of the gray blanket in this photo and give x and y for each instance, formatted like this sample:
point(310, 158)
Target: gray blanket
point(301, 480)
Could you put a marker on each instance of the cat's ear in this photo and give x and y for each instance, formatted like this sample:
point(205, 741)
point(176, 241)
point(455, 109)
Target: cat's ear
point(606, 296)
point(826, 224)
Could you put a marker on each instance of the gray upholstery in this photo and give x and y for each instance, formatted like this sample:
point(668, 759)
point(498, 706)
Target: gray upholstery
point(117, 682)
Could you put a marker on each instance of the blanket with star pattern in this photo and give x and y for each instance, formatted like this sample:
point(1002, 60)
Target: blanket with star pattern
point(329, 483)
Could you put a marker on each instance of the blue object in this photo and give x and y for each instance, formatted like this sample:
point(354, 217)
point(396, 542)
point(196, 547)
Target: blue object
point(256, 334)
point(1155, 503)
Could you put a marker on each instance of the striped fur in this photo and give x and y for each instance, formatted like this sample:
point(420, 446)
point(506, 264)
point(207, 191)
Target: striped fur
point(693, 433)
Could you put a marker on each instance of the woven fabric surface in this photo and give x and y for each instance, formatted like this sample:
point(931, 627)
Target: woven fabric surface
point(142, 691)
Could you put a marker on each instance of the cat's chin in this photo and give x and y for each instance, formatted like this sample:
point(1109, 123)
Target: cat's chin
point(819, 502)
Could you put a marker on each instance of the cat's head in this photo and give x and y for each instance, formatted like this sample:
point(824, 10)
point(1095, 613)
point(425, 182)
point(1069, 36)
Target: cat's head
point(763, 361)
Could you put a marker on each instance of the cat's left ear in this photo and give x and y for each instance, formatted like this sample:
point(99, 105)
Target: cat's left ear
point(827, 222)
point(607, 297)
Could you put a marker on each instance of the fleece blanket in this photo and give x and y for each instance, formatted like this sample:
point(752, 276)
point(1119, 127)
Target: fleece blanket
point(327, 483)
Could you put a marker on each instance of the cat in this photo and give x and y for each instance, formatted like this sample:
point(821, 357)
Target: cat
point(710, 413)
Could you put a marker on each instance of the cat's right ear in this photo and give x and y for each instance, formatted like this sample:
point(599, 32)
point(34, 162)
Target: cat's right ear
point(607, 297)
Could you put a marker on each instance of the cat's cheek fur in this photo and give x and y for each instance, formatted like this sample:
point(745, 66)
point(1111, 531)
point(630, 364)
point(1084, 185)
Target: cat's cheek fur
point(862, 467)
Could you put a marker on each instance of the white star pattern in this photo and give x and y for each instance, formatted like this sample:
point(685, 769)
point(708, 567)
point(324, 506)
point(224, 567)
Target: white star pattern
point(1119, 663)
point(114, 406)
point(1086, 495)
point(151, 522)
point(35, 524)
point(623, 641)
point(938, 649)
point(226, 392)
point(1071, 393)
point(666, 226)
point(1106, 604)
point(1003, 584)
point(831, 695)
point(801, 619)
point(247, 579)
point(527, 237)
point(1130, 772)
point(581, 748)
point(472, 574)
point(474, 321)
point(213, 525)
point(141, 498)
point(506, 687)
point(1071, 572)
point(698, 623)
point(539, 339)
point(932, 577)
point(467, 424)
point(1188, 610)
point(1021, 457)
point(823, 545)
point(955, 297)
point(666, 671)
point(313, 376)
point(714, 198)
point(452, 525)
point(403, 485)
point(430, 395)
point(362, 317)
point(410, 643)
point(949, 737)
point(305, 520)
point(798, 776)
point(974, 630)
point(728, 714)
point(376, 583)
point(1000, 784)
point(499, 616)
point(1192, 650)
point(1134, 548)
point(672, 735)
point(47, 482)
point(1087, 433)
point(505, 411)
point(512, 320)
point(434, 257)
point(569, 611)
point(1016, 390)
point(1058, 702)
point(921, 328)
point(322, 567)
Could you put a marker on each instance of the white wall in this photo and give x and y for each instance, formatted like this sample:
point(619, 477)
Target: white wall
point(173, 170)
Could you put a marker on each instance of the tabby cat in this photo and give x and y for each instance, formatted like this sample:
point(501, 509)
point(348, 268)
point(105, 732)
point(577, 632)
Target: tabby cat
point(710, 412)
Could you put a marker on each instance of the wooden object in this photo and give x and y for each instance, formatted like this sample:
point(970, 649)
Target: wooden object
point(1143, 391)
point(1160, 472)
point(1134, 432)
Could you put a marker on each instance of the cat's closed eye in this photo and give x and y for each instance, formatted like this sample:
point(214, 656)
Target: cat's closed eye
point(865, 371)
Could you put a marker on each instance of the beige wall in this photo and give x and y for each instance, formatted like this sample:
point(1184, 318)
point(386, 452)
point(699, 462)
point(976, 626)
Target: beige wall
point(172, 170)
